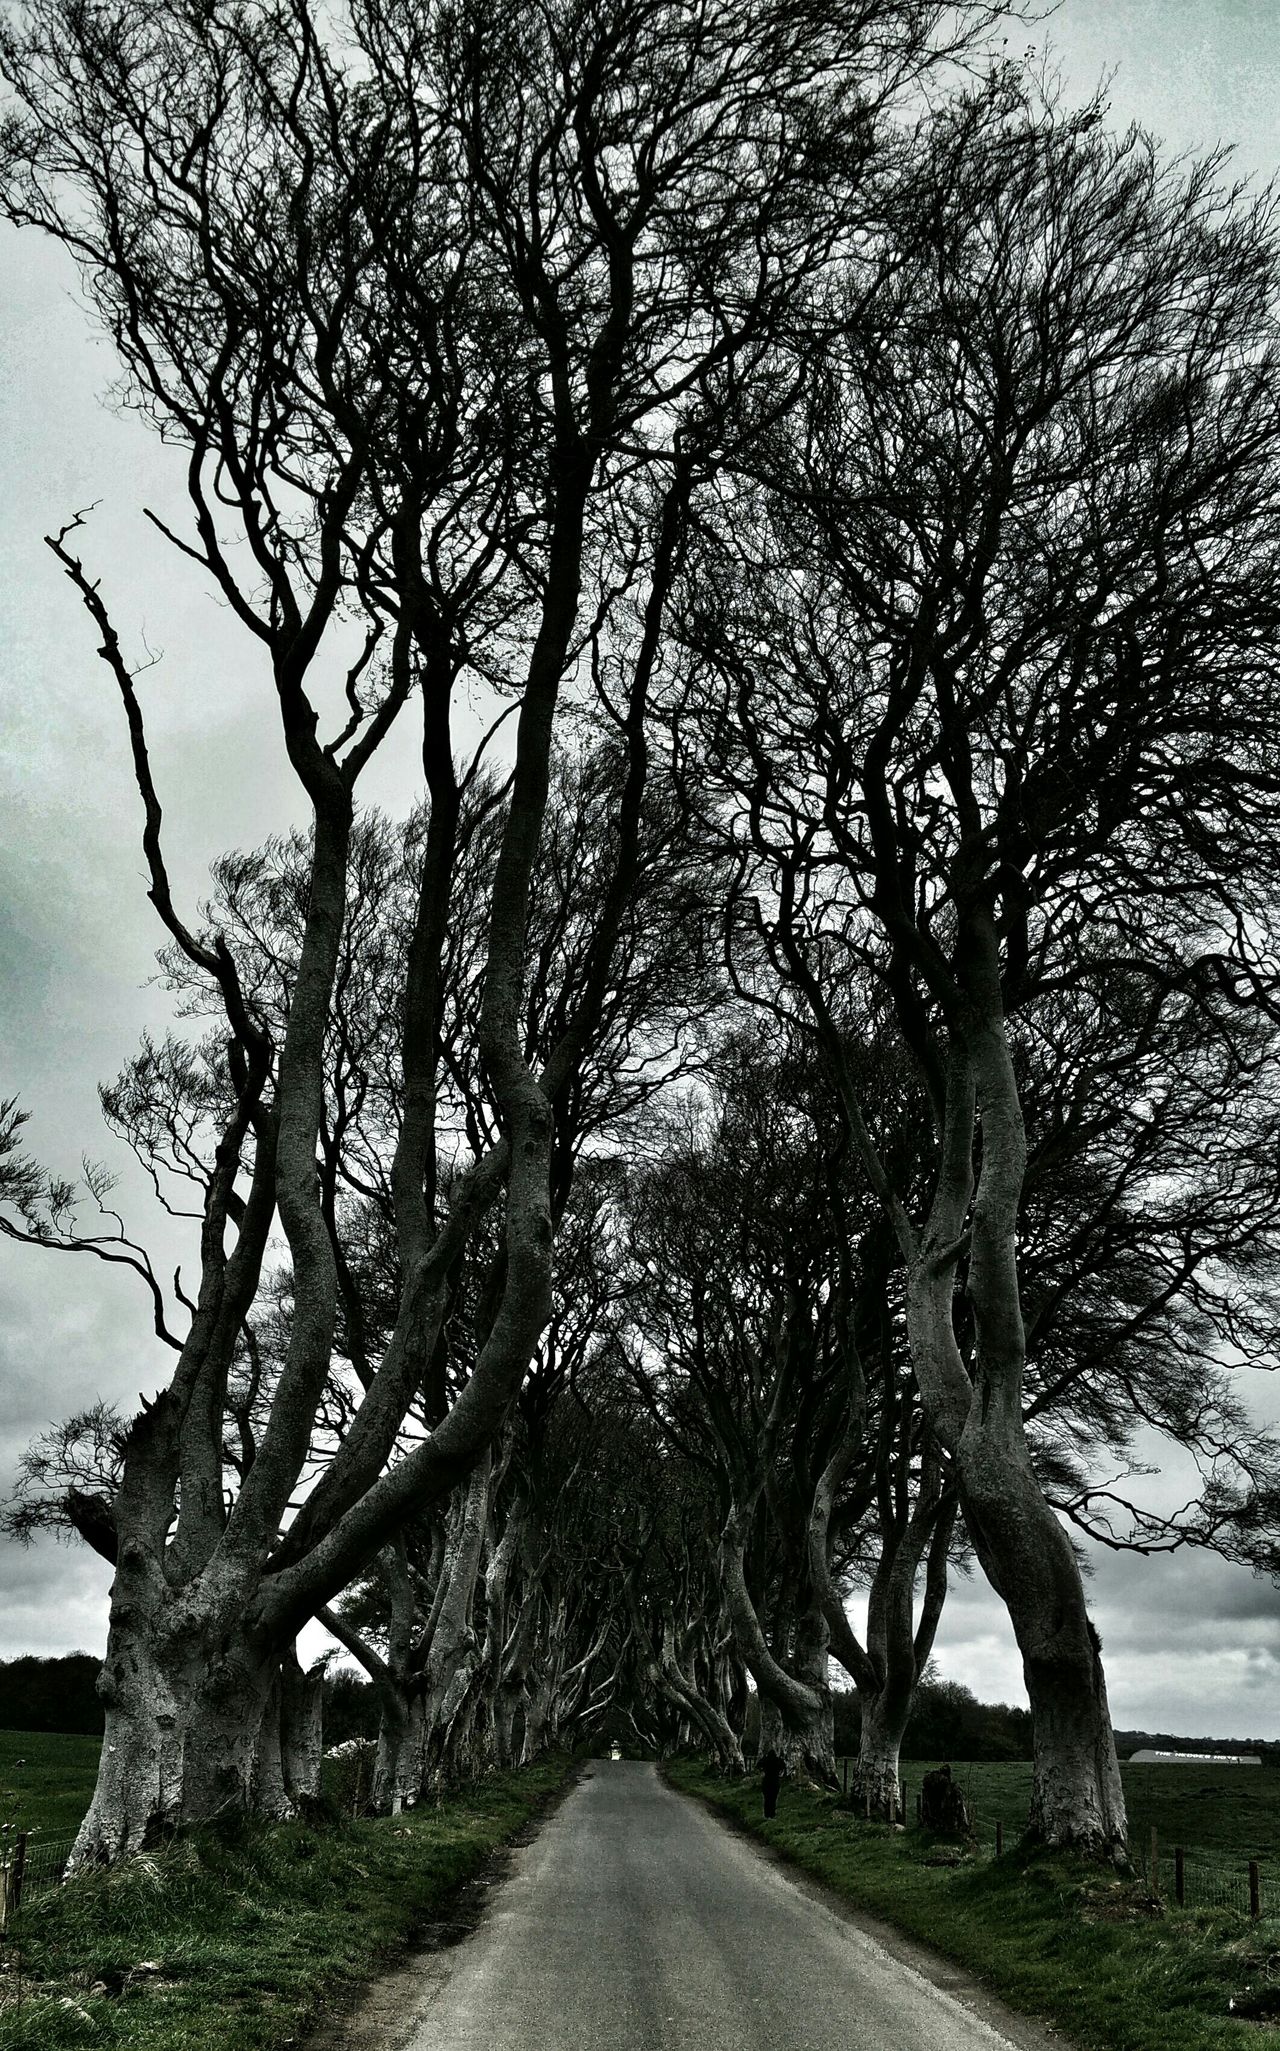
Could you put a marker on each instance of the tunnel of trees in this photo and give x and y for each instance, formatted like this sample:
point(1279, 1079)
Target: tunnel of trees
point(789, 1113)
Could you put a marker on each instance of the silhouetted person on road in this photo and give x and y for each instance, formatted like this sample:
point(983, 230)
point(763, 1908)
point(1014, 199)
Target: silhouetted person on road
point(773, 1771)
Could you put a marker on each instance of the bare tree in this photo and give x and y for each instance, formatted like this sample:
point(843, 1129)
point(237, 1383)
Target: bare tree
point(424, 295)
point(1014, 566)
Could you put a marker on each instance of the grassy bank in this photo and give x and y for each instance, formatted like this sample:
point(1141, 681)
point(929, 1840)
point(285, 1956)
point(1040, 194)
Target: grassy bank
point(1058, 1940)
point(243, 1939)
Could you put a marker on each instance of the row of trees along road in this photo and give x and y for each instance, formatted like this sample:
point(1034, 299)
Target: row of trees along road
point(792, 1107)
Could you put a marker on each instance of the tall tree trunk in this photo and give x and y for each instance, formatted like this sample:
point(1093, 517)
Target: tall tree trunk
point(510, 1694)
point(671, 1680)
point(1076, 1795)
point(192, 1720)
point(875, 1782)
point(898, 1648)
point(454, 1653)
point(506, 1703)
point(496, 1702)
point(542, 1702)
point(1077, 1800)
point(270, 1794)
point(886, 1671)
point(400, 1764)
point(712, 1723)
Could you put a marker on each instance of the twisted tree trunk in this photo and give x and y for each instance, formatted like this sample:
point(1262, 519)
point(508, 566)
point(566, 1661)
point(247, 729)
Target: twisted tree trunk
point(795, 1708)
point(1077, 1800)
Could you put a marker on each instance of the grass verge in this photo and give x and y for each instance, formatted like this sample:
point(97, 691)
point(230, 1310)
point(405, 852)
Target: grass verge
point(1057, 1939)
point(245, 1938)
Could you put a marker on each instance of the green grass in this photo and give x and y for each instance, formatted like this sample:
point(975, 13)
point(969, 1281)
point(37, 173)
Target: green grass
point(1058, 1939)
point(256, 1932)
point(46, 1780)
point(240, 1939)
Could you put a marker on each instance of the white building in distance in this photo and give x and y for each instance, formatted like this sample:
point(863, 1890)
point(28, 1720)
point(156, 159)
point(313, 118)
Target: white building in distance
point(1194, 1759)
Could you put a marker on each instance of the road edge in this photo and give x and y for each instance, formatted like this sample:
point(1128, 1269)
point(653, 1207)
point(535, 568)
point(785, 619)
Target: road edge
point(382, 2014)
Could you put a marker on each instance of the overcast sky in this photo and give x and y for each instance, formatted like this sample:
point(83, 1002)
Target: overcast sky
point(1190, 1645)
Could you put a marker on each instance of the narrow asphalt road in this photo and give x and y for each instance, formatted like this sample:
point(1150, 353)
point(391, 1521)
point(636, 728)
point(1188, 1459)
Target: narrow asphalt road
point(636, 1922)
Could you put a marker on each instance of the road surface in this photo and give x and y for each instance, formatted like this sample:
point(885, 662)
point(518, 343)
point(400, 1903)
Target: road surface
point(636, 1922)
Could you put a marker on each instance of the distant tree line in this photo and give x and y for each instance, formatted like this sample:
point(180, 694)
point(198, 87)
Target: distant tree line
point(947, 1721)
point(351, 1707)
point(59, 1694)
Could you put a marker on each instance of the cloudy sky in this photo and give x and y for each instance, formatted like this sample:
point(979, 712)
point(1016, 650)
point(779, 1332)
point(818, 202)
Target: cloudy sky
point(1190, 1645)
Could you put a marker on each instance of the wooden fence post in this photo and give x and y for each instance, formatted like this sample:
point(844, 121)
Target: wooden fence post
point(999, 1839)
point(19, 1869)
point(1155, 1864)
point(1255, 1890)
point(1179, 1877)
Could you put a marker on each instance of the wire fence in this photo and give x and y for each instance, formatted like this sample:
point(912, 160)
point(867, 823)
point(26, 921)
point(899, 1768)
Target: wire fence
point(1176, 1875)
point(1200, 1879)
point(30, 1863)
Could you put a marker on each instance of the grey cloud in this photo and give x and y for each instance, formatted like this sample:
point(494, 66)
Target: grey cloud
point(54, 1600)
point(1190, 1644)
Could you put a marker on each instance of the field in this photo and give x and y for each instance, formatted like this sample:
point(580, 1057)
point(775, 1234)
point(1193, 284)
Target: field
point(1219, 1818)
point(246, 1933)
point(46, 1780)
point(1232, 1812)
